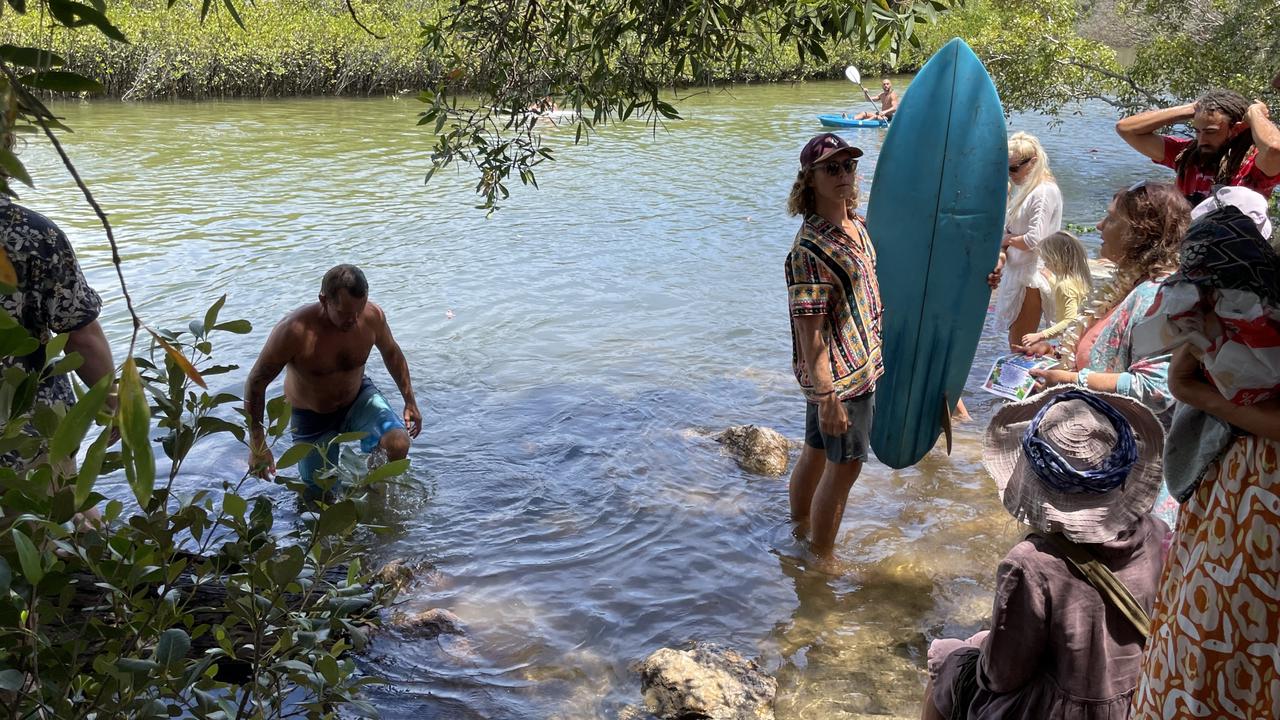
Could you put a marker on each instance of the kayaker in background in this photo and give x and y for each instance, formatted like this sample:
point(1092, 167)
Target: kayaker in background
point(834, 303)
point(1235, 143)
point(888, 100)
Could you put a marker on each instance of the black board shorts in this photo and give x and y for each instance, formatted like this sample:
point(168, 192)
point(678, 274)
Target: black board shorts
point(855, 443)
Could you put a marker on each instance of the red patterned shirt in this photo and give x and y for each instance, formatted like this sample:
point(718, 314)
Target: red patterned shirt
point(833, 275)
point(1199, 184)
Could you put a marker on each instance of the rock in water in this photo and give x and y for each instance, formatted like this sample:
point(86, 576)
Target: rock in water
point(706, 681)
point(757, 449)
point(430, 623)
point(400, 574)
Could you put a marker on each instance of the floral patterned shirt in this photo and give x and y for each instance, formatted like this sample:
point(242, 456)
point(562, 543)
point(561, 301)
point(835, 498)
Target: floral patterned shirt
point(52, 296)
point(833, 275)
point(1144, 378)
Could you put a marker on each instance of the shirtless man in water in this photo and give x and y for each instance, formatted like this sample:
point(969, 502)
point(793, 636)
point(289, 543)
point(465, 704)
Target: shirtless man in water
point(888, 100)
point(325, 346)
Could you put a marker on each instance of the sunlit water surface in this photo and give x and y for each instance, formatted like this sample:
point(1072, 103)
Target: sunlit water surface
point(571, 353)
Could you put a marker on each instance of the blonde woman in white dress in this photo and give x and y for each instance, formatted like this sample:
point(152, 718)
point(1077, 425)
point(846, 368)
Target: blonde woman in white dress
point(1035, 213)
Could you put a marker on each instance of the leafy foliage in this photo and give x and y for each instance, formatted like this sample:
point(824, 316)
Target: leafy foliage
point(1202, 44)
point(498, 61)
point(285, 48)
point(1041, 63)
point(188, 604)
point(1032, 51)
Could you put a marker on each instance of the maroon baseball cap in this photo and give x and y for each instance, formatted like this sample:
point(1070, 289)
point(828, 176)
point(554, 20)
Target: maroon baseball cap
point(824, 146)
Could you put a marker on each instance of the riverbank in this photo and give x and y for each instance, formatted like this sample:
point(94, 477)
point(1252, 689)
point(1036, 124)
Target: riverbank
point(298, 48)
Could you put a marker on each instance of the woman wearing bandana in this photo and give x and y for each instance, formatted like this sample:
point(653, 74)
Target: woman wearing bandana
point(1215, 638)
point(1070, 613)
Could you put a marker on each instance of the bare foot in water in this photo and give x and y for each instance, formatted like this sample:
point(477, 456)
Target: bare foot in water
point(961, 414)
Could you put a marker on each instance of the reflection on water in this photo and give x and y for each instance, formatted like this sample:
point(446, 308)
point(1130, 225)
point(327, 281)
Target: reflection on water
point(568, 353)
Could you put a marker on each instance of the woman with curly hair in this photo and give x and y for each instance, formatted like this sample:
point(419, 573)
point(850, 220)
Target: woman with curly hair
point(1140, 234)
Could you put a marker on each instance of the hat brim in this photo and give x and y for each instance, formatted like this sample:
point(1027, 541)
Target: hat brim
point(1082, 517)
point(856, 152)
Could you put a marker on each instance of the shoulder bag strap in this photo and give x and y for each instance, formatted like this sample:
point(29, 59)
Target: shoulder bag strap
point(1105, 581)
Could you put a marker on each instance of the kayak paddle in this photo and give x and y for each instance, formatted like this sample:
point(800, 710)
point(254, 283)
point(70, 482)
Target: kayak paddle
point(855, 77)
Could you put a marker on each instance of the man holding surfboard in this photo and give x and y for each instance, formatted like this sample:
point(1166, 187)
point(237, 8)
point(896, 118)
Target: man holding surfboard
point(834, 302)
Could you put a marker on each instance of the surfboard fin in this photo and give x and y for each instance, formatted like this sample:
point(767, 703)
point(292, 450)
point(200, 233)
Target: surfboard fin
point(946, 420)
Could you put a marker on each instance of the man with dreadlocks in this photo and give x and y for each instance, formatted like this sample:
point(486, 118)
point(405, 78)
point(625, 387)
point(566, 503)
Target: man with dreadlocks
point(1235, 144)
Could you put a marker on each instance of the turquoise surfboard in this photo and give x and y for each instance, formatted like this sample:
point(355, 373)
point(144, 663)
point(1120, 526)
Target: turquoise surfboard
point(936, 218)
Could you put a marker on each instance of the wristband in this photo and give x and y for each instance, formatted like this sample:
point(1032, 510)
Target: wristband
point(832, 391)
point(1082, 378)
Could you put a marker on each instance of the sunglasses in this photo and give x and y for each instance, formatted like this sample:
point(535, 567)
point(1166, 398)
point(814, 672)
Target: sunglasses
point(1019, 165)
point(834, 167)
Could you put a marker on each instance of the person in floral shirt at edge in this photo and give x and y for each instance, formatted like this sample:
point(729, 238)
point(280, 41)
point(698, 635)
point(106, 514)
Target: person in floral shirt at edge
point(51, 297)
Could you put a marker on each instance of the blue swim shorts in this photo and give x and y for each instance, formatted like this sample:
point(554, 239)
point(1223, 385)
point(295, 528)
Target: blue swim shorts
point(369, 413)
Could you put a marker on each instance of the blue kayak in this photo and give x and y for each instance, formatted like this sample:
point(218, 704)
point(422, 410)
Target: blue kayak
point(848, 122)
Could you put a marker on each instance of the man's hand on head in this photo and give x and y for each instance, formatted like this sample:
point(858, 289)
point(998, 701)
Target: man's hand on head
point(1257, 109)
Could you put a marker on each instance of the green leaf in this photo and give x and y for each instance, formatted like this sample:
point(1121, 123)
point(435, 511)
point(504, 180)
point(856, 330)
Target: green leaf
point(347, 437)
point(235, 14)
point(14, 168)
point(137, 665)
point(28, 556)
point(11, 680)
point(62, 81)
point(287, 565)
point(74, 14)
point(77, 420)
point(238, 327)
point(391, 469)
point(211, 315)
point(336, 519)
point(328, 667)
point(294, 455)
point(173, 646)
point(234, 505)
point(30, 57)
point(134, 419)
point(91, 468)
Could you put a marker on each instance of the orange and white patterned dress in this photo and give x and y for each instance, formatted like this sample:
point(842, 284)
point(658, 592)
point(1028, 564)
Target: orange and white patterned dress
point(1214, 650)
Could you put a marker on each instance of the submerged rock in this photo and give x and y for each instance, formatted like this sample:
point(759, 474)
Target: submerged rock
point(399, 574)
point(430, 623)
point(759, 450)
point(706, 681)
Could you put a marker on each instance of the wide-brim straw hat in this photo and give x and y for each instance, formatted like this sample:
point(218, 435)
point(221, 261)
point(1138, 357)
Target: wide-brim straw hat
point(1085, 438)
